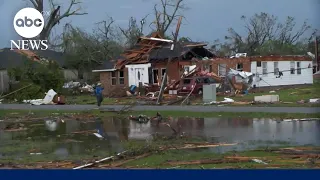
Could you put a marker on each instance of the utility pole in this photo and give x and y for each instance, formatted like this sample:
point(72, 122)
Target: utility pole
point(164, 79)
point(316, 43)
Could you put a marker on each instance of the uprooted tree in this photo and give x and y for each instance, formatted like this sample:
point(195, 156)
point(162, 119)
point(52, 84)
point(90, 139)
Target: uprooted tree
point(265, 34)
point(40, 76)
point(56, 15)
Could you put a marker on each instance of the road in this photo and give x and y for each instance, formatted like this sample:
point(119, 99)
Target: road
point(307, 110)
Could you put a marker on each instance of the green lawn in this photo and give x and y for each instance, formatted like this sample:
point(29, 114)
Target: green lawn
point(45, 113)
point(288, 97)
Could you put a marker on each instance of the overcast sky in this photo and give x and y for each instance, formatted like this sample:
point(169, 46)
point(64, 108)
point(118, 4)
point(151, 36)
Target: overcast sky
point(206, 20)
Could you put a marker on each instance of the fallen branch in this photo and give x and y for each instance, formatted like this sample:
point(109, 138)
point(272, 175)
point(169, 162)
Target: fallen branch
point(206, 161)
point(15, 130)
point(15, 91)
point(84, 132)
point(117, 164)
point(99, 161)
point(191, 146)
point(189, 93)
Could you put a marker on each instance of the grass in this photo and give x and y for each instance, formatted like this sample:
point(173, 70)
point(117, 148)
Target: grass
point(45, 113)
point(161, 159)
point(89, 99)
point(20, 154)
point(288, 95)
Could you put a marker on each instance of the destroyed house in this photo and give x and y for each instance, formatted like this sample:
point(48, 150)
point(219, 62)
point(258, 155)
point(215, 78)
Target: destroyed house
point(269, 70)
point(146, 63)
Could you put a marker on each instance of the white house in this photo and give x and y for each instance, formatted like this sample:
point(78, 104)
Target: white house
point(284, 71)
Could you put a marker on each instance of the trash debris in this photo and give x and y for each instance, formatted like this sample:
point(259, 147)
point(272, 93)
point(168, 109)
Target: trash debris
point(141, 118)
point(267, 98)
point(259, 161)
point(227, 100)
point(98, 135)
point(314, 100)
point(301, 101)
point(272, 91)
point(71, 84)
point(204, 145)
point(304, 119)
point(46, 100)
point(35, 153)
point(99, 161)
point(153, 94)
point(13, 127)
point(51, 125)
point(78, 87)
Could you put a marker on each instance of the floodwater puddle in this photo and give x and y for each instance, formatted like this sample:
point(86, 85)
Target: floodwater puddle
point(74, 138)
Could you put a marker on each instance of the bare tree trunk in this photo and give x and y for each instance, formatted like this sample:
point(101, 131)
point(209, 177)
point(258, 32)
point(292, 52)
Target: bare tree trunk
point(55, 15)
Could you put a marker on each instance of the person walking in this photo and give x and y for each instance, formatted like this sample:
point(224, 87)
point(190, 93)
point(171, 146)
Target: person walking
point(98, 93)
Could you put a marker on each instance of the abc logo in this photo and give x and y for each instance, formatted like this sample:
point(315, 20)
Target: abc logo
point(28, 22)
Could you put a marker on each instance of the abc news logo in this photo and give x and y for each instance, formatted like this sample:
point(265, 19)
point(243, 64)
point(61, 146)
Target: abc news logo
point(29, 23)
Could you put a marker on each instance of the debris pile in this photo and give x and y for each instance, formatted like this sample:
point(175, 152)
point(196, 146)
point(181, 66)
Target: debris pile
point(77, 87)
point(48, 99)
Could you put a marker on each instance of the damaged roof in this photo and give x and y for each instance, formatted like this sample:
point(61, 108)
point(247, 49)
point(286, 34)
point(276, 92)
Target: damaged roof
point(155, 48)
point(13, 58)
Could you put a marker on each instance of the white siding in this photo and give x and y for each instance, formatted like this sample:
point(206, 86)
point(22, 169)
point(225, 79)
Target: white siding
point(287, 79)
point(132, 73)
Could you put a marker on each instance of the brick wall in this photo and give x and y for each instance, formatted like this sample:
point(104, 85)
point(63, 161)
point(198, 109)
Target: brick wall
point(174, 69)
point(114, 90)
point(230, 63)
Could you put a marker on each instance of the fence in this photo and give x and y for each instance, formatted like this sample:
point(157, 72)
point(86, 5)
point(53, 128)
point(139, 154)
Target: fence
point(4, 81)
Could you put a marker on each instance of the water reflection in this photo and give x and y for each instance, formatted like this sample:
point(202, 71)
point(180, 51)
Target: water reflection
point(67, 141)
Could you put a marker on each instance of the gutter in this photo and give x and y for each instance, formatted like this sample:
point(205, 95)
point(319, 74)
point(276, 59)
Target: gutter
point(104, 70)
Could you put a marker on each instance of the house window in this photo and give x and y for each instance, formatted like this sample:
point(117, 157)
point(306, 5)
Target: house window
point(163, 71)
point(222, 70)
point(155, 74)
point(265, 68)
point(298, 67)
point(240, 67)
point(113, 78)
point(292, 67)
point(121, 77)
point(258, 63)
point(276, 68)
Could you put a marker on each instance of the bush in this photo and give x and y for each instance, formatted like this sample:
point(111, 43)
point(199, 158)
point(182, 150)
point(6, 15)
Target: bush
point(31, 92)
point(43, 77)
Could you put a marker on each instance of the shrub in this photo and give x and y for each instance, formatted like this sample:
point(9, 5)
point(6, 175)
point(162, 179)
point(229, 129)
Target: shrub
point(43, 77)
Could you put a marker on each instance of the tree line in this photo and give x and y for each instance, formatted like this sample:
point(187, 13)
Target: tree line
point(265, 34)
